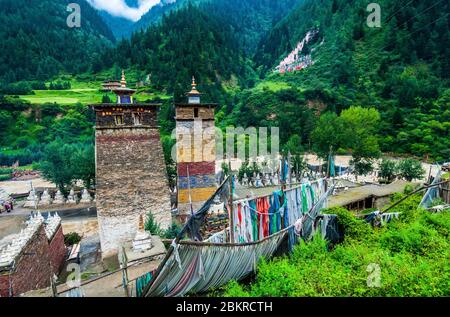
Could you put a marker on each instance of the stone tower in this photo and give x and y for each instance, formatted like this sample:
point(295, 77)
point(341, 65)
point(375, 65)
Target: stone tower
point(130, 169)
point(196, 152)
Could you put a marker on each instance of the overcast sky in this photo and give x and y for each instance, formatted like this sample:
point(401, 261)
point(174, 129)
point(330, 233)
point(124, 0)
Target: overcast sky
point(120, 9)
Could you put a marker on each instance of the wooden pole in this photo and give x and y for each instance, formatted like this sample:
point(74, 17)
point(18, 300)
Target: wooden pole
point(289, 169)
point(429, 175)
point(124, 267)
point(231, 209)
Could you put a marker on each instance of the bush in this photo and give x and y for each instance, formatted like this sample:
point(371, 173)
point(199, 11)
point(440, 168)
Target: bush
point(6, 170)
point(411, 169)
point(388, 170)
point(152, 226)
point(411, 253)
point(71, 238)
point(19, 88)
point(23, 156)
point(171, 233)
point(5, 177)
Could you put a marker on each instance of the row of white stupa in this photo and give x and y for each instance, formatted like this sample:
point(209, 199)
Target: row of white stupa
point(10, 252)
point(33, 199)
point(267, 179)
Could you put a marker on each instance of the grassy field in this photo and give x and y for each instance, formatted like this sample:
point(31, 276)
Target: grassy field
point(65, 97)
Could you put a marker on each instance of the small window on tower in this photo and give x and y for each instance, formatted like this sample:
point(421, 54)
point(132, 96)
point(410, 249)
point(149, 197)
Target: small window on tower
point(195, 112)
point(119, 119)
point(137, 118)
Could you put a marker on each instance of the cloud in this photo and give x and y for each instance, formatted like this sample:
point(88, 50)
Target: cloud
point(119, 8)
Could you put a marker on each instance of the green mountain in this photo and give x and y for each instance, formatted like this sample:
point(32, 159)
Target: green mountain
point(187, 42)
point(36, 42)
point(251, 19)
point(213, 40)
point(155, 14)
point(120, 27)
point(401, 69)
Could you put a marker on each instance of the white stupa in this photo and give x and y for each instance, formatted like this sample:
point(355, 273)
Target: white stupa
point(71, 199)
point(46, 199)
point(59, 198)
point(85, 197)
point(32, 199)
point(143, 240)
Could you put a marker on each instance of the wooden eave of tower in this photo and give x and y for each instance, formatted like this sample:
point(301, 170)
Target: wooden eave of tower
point(197, 105)
point(131, 106)
point(193, 105)
point(123, 91)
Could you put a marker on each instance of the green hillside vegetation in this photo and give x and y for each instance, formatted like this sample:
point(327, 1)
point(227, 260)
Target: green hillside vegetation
point(401, 69)
point(411, 254)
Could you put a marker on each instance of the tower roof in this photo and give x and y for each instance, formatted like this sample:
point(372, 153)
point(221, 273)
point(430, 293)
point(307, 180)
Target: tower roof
point(123, 89)
point(194, 91)
point(123, 82)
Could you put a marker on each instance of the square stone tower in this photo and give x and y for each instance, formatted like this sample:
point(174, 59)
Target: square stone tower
point(196, 153)
point(130, 169)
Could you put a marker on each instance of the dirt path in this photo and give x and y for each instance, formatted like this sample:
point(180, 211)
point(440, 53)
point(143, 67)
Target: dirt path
point(111, 286)
point(10, 225)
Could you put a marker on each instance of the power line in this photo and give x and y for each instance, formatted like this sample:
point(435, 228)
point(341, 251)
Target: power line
point(393, 14)
point(423, 12)
point(408, 34)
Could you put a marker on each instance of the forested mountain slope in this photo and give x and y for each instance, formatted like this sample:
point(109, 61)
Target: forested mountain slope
point(250, 19)
point(187, 42)
point(36, 42)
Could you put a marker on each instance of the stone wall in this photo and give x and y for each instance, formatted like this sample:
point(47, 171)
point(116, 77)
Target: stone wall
point(196, 168)
point(131, 181)
point(196, 156)
point(57, 251)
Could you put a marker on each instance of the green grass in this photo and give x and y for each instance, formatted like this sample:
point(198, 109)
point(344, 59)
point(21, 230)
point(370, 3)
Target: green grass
point(65, 97)
point(84, 95)
point(273, 85)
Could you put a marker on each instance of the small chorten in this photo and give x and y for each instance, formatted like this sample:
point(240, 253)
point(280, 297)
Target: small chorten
point(258, 182)
point(143, 240)
point(245, 180)
point(71, 199)
point(86, 197)
point(59, 198)
point(32, 199)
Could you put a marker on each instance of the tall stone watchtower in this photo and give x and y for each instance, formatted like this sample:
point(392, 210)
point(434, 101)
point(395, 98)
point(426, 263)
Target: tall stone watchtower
point(130, 169)
point(196, 152)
